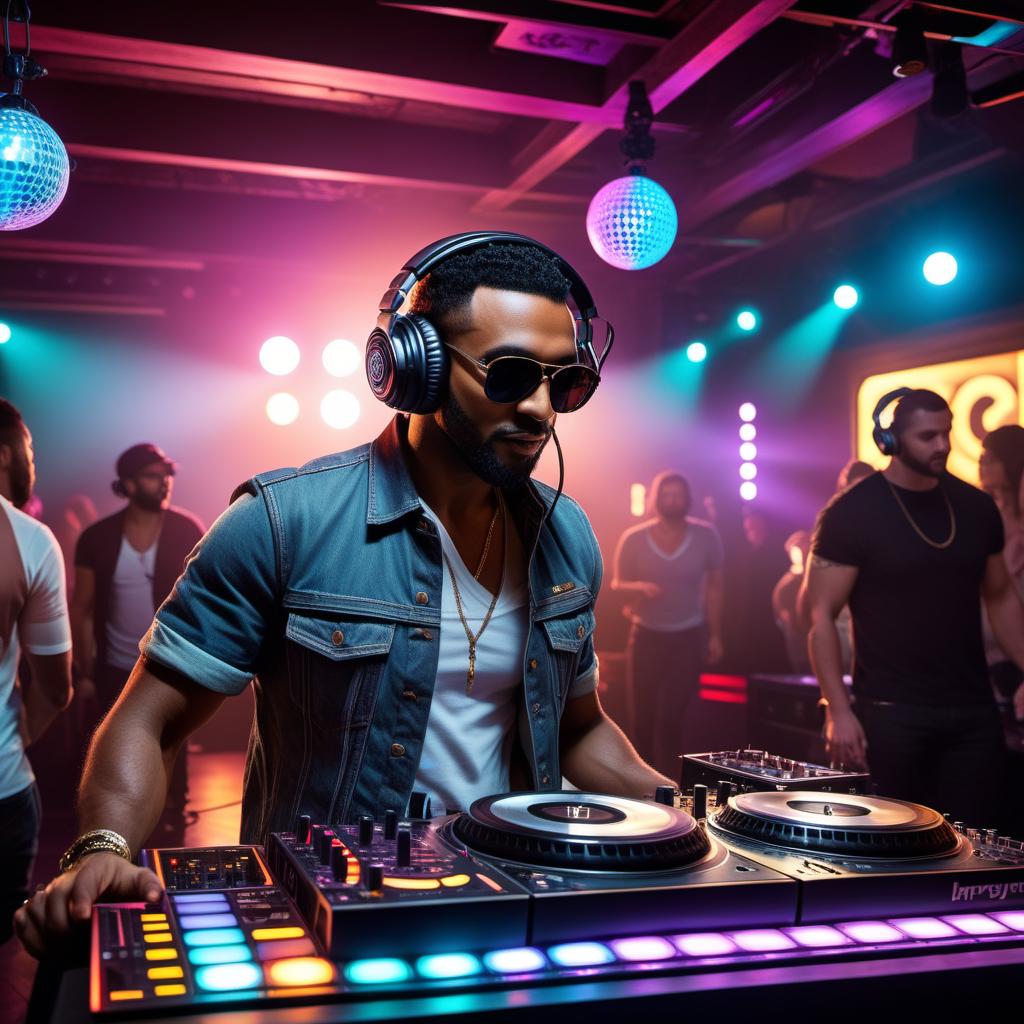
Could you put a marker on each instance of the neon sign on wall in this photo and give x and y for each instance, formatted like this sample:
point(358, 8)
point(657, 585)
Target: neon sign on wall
point(984, 393)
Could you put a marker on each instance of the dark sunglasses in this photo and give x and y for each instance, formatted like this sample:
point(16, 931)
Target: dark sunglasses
point(512, 378)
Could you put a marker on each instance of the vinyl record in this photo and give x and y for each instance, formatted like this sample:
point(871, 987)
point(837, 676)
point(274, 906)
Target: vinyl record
point(837, 824)
point(582, 831)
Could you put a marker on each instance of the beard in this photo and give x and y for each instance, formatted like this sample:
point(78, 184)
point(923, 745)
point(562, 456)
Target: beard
point(149, 502)
point(932, 469)
point(480, 455)
point(673, 513)
point(21, 483)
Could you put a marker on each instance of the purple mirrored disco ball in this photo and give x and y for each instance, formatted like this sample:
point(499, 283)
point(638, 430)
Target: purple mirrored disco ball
point(33, 169)
point(632, 222)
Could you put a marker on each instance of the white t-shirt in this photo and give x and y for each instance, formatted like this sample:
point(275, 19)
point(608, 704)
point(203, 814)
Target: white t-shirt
point(38, 616)
point(469, 738)
point(131, 604)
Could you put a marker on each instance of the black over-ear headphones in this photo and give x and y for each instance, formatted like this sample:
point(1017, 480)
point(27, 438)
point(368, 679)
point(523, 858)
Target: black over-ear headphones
point(406, 361)
point(887, 441)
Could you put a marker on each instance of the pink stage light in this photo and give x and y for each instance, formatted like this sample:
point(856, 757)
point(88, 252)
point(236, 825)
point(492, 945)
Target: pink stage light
point(870, 932)
point(341, 358)
point(279, 355)
point(643, 947)
point(976, 924)
point(818, 936)
point(1012, 919)
point(747, 431)
point(748, 470)
point(923, 927)
point(282, 408)
point(748, 411)
point(748, 490)
point(339, 409)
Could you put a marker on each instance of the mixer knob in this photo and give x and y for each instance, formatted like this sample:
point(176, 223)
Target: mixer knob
point(302, 829)
point(390, 824)
point(326, 842)
point(959, 826)
point(365, 830)
point(375, 877)
point(403, 850)
point(700, 801)
point(665, 795)
point(724, 792)
point(314, 836)
point(339, 862)
point(419, 805)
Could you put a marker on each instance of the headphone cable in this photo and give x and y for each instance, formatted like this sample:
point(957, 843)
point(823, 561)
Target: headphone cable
point(561, 475)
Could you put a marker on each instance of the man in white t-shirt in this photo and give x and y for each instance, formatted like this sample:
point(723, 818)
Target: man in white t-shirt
point(33, 621)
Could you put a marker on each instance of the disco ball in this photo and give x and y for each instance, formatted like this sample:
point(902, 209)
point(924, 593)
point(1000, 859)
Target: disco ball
point(632, 222)
point(33, 169)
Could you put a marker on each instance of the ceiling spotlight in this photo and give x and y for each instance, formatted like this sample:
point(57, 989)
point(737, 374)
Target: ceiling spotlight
point(747, 431)
point(748, 490)
point(5, 334)
point(748, 411)
point(940, 268)
point(279, 355)
point(341, 357)
point(696, 351)
point(339, 409)
point(282, 408)
point(845, 296)
point(746, 320)
point(909, 51)
point(748, 470)
point(632, 221)
point(748, 451)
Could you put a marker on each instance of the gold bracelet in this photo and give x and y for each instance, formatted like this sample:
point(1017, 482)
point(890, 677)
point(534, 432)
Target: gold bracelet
point(99, 840)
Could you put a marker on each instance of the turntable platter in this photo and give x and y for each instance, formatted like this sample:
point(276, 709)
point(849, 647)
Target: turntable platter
point(840, 825)
point(582, 831)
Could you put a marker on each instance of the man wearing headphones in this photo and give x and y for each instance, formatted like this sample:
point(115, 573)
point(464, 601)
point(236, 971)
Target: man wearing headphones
point(125, 566)
point(416, 615)
point(911, 549)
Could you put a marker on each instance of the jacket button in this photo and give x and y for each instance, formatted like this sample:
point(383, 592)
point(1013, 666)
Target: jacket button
point(581, 632)
point(544, 780)
point(337, 638)
point(410, 695)
point(397, 750)
point(536, 709)
point(426, 634)
point(533, 664)
point(422, 598)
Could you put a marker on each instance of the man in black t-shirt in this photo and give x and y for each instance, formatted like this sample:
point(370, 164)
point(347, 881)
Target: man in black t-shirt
point(911, 549)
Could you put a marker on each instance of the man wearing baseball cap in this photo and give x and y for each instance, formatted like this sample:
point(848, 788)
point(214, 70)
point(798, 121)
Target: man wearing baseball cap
point(125, 565)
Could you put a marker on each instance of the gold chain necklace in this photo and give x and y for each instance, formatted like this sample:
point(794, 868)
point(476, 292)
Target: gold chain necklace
point(487, 543)
point(471, 673)
point(917, 529)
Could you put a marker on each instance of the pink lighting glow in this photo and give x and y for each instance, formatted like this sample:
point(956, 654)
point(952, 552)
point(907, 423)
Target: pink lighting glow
point(975, 924)
point(704, 944)
point(643, 947)
point(924, 927)
point(1012, 919)
point(818, 936)
point(871, 932)
point(282, 408)
point(762, 940)
point(279, 355)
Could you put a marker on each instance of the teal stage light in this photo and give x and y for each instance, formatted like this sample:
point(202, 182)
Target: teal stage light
point(845, 296)
point(5, 334)
point(746, 320)
point(940, 268)
point(696, 351)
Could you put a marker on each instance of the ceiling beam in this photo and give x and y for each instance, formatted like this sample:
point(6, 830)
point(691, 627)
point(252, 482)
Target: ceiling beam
point(704, 43)
point(83, 151)
point(146, 59)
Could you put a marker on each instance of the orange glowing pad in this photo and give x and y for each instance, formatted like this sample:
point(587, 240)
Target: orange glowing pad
point(157, 937)
point(303, 970)
point(124, 993)
point(164, 973)
point(260, 934)
point(452, 881)
point(152, 917)
point(161, 954)
point(170, 990)
point(411, 883)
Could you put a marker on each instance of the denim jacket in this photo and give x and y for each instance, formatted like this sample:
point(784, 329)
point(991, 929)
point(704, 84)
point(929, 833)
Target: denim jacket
point(322, 586)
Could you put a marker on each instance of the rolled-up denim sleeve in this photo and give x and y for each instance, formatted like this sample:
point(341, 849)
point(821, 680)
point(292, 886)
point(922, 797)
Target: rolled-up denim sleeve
point(213, 625)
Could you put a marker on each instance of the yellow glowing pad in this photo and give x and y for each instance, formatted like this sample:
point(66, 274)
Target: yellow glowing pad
point(152, 917)
point(451, 881)
point(411, 883)
point(170, 990)
point(161, 954)
point(163, 973)
point(259, 934)
point(155, 926)
point(301, 970)
point(124, 993)
point(158, 937)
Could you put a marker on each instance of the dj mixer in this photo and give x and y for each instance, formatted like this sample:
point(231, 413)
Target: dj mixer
point(541, 898)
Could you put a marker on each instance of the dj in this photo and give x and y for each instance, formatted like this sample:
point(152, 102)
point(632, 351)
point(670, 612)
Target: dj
point(911, 548)
point(414, 614)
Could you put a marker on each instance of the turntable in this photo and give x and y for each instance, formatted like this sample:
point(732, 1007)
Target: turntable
point(877, 855)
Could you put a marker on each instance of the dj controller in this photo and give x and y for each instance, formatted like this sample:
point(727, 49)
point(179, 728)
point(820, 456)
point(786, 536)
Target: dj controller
point(533, 900)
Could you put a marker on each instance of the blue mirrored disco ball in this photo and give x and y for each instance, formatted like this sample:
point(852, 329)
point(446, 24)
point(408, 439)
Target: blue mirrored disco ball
point(33, 169)
point(632, 222)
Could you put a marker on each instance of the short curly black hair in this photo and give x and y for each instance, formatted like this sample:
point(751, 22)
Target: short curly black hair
point(510, 266)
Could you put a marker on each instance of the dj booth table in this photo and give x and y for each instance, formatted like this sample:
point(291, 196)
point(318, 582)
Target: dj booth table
point(539, 906)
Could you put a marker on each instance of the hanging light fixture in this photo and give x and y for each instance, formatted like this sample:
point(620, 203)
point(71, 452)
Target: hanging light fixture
point(632, 221)
point(34, 166)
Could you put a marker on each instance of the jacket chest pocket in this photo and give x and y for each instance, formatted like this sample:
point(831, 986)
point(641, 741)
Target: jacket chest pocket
point(568, 636)
point(334, 667)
